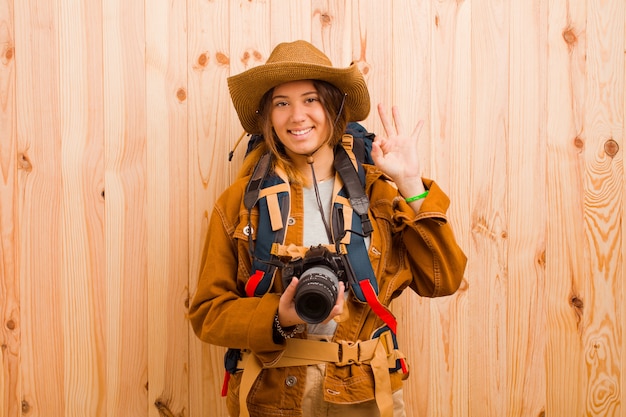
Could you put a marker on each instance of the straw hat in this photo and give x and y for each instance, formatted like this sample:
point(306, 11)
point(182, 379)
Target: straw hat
point(295, 61)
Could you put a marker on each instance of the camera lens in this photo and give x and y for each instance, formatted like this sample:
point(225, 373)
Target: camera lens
point(316, 294)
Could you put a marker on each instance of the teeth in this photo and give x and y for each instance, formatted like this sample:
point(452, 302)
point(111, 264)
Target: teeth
point(301, 132)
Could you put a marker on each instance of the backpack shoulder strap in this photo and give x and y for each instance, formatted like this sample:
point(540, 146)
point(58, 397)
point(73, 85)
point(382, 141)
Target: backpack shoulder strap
point(361, 275)
point(362, 146)
point(354, 184)
point(253, 189)
point(271, 194)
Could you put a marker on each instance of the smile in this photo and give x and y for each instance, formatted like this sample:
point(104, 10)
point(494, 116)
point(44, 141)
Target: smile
point(300, 132)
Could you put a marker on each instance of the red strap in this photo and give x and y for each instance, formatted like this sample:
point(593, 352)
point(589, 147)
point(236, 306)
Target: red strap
point(225, 385)
point(405, 369)
point(380, 310)
point(253, 282)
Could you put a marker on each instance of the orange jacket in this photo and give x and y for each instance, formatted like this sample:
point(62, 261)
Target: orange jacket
point(406, 250)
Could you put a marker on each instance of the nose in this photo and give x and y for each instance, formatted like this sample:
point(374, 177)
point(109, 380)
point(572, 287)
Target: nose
point(298, 112)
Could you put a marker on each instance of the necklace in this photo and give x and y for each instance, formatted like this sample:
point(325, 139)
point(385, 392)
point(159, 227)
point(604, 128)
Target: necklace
point(326, 178)
point(319, 202)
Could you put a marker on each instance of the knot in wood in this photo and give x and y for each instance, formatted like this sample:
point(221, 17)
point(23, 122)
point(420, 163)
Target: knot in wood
point(569, 36)
point(222, 58)
point(24, 162)
point(579, 143)
point(203, 60)
point(577, 303)
point(611, 147)
point(8, 53)
point(254, 55)
point(25, 407)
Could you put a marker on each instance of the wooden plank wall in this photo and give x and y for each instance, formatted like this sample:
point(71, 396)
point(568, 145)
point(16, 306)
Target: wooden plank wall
point(115, 127)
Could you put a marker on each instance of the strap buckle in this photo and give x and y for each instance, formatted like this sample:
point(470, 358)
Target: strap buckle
point(349, 353)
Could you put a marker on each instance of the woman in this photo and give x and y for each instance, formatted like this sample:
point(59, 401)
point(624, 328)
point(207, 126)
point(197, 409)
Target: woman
point(307, 248)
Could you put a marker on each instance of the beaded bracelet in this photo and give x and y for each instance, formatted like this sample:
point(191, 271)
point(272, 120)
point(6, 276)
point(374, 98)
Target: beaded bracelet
point(416, 197)
point(296, 329)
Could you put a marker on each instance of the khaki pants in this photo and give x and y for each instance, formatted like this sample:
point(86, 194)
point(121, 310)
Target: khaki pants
point(313, 404)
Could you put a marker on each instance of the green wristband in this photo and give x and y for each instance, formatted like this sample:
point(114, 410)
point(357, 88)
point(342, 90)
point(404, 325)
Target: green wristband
point(416, 197)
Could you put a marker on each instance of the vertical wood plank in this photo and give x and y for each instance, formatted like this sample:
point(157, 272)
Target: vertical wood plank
point(124, 108)
point(209, 140)
point(39, 205)
point(167, 206)
point(623, 231)
point(445, 159)
point(82, 208)
point(373, 44)
point(489, 222)
point(603, 121)
point(565, 246)
point(10, 392)
point(525, 336)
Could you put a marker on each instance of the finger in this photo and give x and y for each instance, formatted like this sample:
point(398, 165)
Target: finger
point(387, 124)
point(341, 299)
point(287, 315)
point(339, 303)
point(418, 129)
point(341, 292)
point(289, 293)
point(397, 120)
point(380, 142)
point(376, 153)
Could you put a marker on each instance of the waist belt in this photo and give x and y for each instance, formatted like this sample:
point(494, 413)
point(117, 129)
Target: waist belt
point(379, 353)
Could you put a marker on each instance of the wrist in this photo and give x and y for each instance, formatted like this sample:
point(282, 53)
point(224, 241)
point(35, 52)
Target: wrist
point(289, 332)
point(414, 193)
point(416, 197)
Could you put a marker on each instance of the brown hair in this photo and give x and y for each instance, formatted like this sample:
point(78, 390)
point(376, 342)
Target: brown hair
point(332, 101)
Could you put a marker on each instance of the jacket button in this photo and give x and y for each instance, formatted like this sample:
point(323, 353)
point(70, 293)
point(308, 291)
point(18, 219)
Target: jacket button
point(291, 221)
point(291, 380)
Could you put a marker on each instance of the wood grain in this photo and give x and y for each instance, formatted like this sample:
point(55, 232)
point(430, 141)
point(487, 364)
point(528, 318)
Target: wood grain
point(9, 278)
point(488, 275)
point(81, 208)
point(39, 206)
point(124, 191)
point(525, 338)
point(210, 141)
point(167, 207)
point(565, 246)
point(448, 124)
point(603, 198)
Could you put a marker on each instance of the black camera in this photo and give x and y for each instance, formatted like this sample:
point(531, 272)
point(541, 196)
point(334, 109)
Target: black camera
point(319, 273)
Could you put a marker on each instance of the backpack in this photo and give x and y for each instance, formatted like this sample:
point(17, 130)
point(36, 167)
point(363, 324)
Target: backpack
point(264, 264)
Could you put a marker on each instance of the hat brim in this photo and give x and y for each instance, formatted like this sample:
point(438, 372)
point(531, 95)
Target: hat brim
point(247, 88)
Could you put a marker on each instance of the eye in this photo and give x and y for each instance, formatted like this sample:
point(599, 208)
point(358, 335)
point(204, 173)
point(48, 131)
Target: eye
point(280, 104)
point(312, 100)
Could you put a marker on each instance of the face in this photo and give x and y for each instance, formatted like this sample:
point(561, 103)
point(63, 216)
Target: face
point(298, 118)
